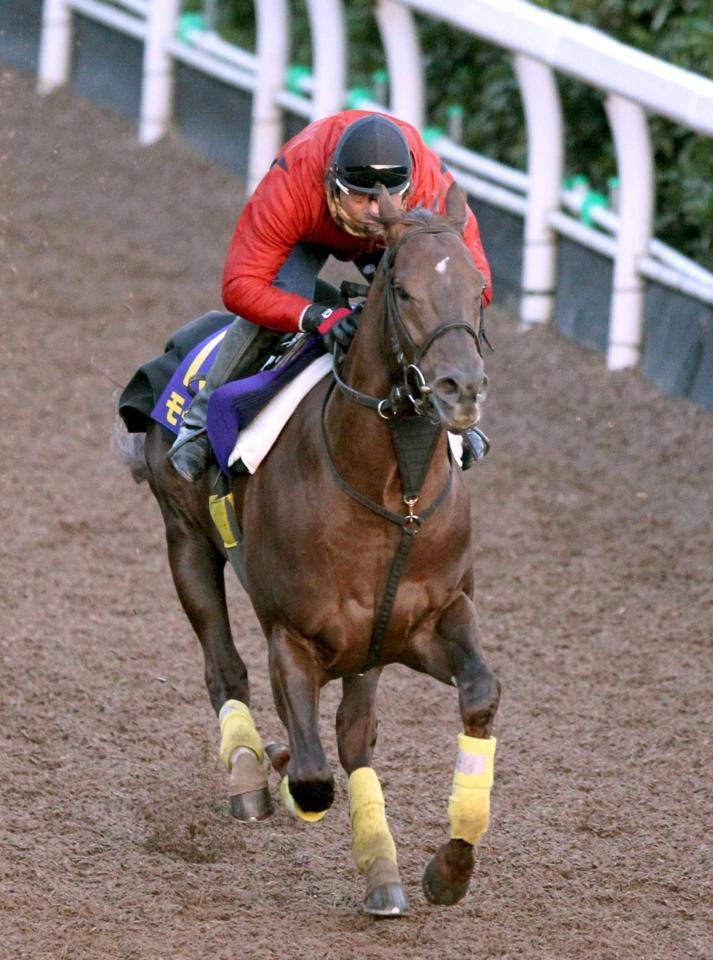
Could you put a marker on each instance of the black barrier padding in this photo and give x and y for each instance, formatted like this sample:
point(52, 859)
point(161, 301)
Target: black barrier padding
point(501, 234)
point(20, 23)
point(584, 280)
point(214, 118)
point(678, 345)
point(107, 67)
point(701, 391)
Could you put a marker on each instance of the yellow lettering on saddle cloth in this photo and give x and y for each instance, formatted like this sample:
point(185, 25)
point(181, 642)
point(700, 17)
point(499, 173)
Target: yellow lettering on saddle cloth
point(174, 407)
point(197, 363)
point(469, 804)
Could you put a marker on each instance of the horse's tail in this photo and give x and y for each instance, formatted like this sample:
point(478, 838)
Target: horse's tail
point(129, 448)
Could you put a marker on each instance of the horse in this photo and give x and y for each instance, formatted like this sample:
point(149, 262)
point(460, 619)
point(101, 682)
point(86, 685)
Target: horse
point(356, 545)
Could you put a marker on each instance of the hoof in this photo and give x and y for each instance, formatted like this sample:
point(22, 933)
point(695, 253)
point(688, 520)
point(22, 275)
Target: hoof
point(438, 891)
point(252, 806)
point(388, 900)
point(291, 805)
point(278, 754)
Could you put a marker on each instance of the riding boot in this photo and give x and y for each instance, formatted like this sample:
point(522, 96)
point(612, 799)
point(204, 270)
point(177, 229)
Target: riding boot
point(475, 447)
point(241, 354)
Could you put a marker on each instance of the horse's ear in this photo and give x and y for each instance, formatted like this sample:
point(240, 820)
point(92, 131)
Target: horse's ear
point(456, 209)
point(390, 217)
point(387, 211)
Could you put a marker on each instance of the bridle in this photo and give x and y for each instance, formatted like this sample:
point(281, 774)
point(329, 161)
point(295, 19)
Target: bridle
point(412, 388)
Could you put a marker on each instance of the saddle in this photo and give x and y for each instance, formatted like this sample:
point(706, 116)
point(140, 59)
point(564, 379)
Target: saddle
point(245, 416)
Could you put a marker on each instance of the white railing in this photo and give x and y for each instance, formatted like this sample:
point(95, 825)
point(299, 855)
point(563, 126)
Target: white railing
point(542, 44)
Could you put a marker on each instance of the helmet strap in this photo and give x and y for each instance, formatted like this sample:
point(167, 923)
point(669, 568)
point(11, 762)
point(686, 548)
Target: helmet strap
point(339, 214)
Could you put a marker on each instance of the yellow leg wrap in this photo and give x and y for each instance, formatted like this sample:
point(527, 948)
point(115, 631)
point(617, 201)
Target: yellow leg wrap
point(237, 729)
point(371, 837)
point(469, 804)
point(291, 805)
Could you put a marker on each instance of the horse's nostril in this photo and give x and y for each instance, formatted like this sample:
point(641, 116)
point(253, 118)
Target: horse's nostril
point(447, 388)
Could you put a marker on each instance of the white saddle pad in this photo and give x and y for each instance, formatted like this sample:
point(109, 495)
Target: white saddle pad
point(255, 442)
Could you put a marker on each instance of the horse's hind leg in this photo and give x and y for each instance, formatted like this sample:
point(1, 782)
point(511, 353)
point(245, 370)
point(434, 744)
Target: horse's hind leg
point(454, 657)
point(372, 844)
point(198, 573)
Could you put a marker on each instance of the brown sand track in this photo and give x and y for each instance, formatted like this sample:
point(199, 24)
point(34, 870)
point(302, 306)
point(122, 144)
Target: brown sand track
point(595, 567)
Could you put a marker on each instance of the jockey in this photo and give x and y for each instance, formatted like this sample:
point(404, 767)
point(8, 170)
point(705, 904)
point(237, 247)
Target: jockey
point(317, 199)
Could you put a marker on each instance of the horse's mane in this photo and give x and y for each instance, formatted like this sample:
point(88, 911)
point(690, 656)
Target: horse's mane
point(418, 216)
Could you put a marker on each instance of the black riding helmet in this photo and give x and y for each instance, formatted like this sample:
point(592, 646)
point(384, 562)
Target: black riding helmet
point(372, 151)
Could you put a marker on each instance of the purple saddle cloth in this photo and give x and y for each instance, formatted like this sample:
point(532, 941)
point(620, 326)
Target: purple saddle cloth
point(233, 406)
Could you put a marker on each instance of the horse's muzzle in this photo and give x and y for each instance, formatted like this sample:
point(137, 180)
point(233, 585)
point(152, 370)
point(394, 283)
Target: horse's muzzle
point(457, 398)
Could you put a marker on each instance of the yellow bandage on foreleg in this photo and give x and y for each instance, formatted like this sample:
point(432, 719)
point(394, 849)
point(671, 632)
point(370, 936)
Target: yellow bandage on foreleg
point(294, 808)
point(371, 837)
point(237, 729)
point(469, 804)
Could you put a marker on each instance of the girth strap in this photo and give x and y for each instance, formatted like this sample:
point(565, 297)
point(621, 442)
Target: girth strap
point(222, 511)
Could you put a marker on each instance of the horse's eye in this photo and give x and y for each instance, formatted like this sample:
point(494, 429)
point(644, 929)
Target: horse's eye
point(402, 294)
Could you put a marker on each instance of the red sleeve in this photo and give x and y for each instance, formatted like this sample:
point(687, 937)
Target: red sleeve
point(431, 180)
point(473, 242)
point(275, 218)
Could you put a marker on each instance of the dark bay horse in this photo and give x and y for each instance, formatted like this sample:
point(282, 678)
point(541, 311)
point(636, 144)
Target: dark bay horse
point(349, 565)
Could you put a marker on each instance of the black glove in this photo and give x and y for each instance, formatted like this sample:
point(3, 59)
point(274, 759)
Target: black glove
point(336, 326)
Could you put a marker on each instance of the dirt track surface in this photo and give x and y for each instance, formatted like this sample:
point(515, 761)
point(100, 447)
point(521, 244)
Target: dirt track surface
point(595, 566)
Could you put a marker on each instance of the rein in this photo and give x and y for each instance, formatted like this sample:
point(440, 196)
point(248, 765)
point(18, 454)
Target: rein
point(415, 437)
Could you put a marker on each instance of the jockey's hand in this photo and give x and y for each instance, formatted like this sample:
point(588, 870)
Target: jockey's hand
point(336, 326)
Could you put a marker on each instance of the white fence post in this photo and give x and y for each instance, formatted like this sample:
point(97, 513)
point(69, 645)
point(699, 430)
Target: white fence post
point(157, 85)
point(545, 161)
point(399, 36)
point(326, 21)
point(636, 205)
point(55, 55)
point(272, 52)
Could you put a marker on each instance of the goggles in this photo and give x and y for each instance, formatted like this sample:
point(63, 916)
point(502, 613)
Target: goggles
point(371, 179)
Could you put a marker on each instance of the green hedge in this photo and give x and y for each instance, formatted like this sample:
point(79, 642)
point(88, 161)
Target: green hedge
point(461, 70)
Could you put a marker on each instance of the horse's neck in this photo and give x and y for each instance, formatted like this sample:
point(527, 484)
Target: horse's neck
point(365, 367)
point(361, 439)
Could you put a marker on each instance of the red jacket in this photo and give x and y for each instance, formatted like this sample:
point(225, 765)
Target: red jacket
point(289, 206)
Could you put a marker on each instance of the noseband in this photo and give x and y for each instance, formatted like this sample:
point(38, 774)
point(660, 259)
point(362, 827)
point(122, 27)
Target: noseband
point(407, 353)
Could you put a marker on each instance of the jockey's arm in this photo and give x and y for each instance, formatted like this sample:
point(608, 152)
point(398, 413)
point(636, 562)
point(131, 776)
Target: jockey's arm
point(271, 225)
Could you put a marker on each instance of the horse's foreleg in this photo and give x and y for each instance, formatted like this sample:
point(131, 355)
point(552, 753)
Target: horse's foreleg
point(456, 658)
point(372, 844)
point(307, 788)
point(198, 573)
